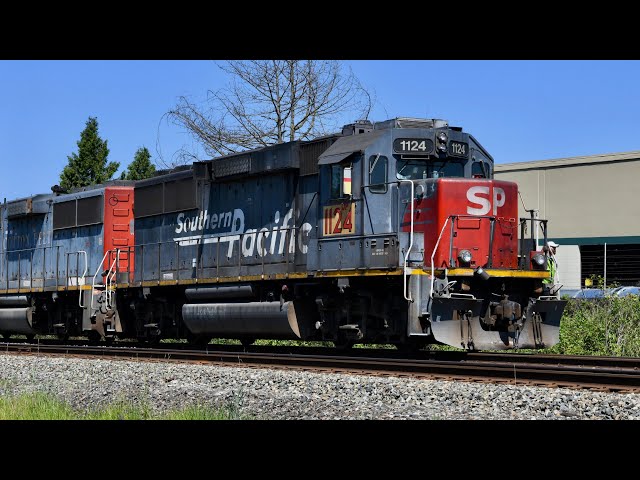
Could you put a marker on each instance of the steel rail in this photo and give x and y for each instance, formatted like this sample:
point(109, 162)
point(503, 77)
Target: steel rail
point(600, 373)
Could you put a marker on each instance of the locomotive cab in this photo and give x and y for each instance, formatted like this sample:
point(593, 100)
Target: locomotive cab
point(451, 230)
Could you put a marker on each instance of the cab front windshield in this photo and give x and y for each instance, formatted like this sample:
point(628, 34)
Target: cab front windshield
point(422, 169)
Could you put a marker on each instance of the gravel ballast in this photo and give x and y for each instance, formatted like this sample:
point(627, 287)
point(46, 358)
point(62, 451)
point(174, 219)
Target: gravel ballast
point(279, 394)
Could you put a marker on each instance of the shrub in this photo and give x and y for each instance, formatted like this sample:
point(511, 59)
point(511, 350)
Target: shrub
point(605, 326)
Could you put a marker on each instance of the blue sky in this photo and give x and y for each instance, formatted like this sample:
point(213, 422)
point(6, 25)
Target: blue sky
point(518, 110)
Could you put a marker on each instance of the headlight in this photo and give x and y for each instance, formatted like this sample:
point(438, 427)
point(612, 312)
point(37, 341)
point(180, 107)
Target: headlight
point(464, 256)
point(538, 260)
point(442, 142)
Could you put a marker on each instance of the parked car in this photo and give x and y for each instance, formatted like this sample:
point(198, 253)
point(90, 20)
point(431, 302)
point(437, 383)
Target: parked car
point(589, 293)
point(624, 291)
point(614, 291)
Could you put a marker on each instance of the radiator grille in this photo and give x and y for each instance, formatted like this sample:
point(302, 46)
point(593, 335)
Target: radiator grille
point(226, 167)
point(309, 153)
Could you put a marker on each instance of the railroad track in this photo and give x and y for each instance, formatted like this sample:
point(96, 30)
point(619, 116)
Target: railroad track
point(612, 374)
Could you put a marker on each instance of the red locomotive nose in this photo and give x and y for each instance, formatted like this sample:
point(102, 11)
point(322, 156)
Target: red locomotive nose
point(480, 217)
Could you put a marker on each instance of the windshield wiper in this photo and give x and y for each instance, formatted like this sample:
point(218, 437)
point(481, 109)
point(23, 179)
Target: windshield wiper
point(402, 169)
point(375, 162)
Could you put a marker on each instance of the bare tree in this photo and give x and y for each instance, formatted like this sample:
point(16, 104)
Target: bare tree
point(271, 101)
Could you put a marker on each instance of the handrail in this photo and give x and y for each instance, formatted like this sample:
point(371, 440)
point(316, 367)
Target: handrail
point(535, 224)
point(86, 263)
point(262, 248)
point(480, 217)
point(434, 254)
point(290, 232)
point(93, 282)
point(34, 251)
point(111, 274)
point(86, 267)
point(406, 257)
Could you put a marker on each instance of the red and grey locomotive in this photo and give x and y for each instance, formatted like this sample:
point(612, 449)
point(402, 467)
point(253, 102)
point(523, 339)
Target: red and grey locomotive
point(393, 232)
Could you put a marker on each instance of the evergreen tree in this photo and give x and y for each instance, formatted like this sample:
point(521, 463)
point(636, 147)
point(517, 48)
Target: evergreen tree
point(141, 167)
point(89, 166)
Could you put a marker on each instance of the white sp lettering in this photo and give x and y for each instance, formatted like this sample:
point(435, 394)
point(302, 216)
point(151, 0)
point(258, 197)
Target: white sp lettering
point(479, 196)
point(498, 199)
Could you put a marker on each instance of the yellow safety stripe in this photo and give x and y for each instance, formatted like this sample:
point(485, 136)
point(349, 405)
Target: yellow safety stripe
point(502, 273)
point(454, 272)
point(272, 276)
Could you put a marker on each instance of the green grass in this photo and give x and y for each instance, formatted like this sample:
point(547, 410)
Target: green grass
point(34, 407)
point(40, 406)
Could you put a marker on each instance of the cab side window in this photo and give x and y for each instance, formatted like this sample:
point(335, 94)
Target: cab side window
point(378, 174)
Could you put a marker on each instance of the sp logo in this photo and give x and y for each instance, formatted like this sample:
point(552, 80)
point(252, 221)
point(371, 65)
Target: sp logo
point(480, 196)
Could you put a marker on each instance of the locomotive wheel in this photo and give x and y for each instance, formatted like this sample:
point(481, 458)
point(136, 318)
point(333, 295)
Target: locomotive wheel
point(344, 344)
point(247, 341)
point(152, 339)
point(31, 337)
point(408, 348)
point(6, 336)
point(94, 337)
point(199, 340)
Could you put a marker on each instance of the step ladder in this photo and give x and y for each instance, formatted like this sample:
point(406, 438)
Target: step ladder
point(103, 292)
